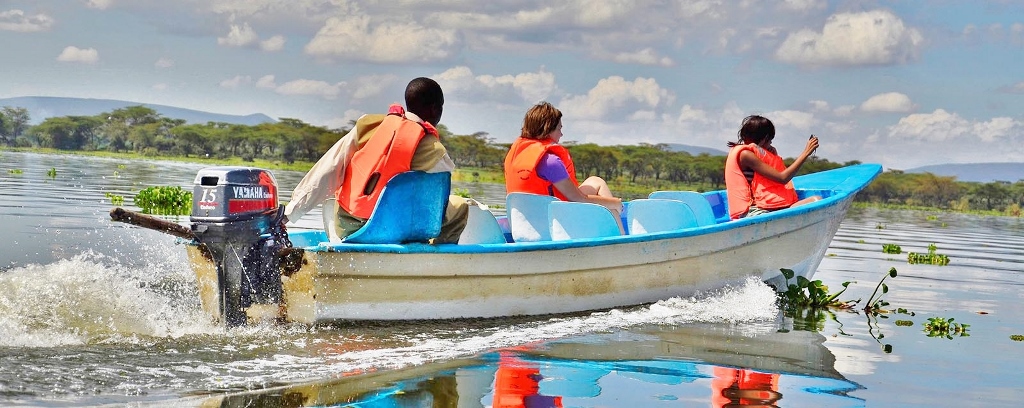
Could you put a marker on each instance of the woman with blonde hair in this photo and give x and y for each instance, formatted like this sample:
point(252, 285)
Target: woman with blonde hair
point(537, 164)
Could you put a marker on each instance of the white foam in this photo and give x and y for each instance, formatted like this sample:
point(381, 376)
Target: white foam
point(91, 298)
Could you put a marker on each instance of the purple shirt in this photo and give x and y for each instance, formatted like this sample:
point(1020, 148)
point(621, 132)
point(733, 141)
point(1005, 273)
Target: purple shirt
point(551, 169)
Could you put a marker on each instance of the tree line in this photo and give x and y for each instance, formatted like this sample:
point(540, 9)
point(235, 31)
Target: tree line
point(142, 130)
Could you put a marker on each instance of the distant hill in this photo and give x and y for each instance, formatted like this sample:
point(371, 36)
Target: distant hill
point(41, 108)
point(976, 172)
point(695, 150)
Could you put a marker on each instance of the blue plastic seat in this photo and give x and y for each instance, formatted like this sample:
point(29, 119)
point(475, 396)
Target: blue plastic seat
point(528, 216)
point(482, 227)
point(410, 209)
point(657, 215)
point(698, 204)
point(570, 220)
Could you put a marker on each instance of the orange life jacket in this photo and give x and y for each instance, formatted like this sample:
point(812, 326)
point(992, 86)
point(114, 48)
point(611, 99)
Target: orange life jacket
point(732, 387)
point(521, 167)
point(388, 152)
point(762, 192)
point(517, 385)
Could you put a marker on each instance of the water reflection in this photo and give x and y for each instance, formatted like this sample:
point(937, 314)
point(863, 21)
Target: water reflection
point(654, 365)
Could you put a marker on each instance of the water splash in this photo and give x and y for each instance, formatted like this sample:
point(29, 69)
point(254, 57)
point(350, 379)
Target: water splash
point(92, 299)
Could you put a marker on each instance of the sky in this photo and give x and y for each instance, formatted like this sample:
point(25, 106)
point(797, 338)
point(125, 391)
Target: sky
point(899, 83)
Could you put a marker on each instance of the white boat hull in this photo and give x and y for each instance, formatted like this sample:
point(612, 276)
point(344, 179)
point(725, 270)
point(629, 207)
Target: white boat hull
point(419, 281)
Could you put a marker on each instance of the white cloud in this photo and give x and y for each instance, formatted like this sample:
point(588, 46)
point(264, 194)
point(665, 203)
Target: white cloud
point(371, 86)
point(275, 43)
point(353, 38)
point(888, 102)
point(997, 128)
point(16, 20)
point(529, 87)
point(1015, 88)
point(239, 36)
point(160, 87)
point(82, 55)
point(614, 93)
point(599, 13)
point(795, 120)
point(946, 137)
point(236, 82)
point(99, 4)
point(266, 82)
point(359, 88)
point(937, 126)
point(869, 38)
point(844, 110)
point(804, 5)
point(344, 120)
point(646, 56)
point(643, 115)
point(163, 62)
point(689, 114)
point(310, 87)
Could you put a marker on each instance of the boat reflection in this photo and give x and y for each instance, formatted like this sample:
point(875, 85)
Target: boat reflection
point(645, 366)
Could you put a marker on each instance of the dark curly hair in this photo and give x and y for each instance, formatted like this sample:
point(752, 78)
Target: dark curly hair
point(755, 129)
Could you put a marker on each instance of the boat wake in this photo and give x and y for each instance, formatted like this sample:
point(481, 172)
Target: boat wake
point(752, 303)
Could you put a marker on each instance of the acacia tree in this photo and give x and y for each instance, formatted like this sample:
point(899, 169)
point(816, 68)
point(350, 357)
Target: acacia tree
point(13, 123)
point(994, 192)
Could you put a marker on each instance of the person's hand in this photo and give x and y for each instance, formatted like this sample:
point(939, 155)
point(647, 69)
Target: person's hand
point(812, 145)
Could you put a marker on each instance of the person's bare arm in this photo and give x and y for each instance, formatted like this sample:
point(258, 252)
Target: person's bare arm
point(573, 193)
point(749, 160)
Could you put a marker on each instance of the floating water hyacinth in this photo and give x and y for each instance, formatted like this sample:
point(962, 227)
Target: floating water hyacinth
point(115, 199)
point(943, 327)
point(931, 258)
point(892, 249)
point(164, 200)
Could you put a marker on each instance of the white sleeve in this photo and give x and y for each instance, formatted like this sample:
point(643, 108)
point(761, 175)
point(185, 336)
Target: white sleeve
point(324, 178)
point(444, 165)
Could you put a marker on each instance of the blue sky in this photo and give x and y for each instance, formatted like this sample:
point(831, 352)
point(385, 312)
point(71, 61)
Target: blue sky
point(901, 83)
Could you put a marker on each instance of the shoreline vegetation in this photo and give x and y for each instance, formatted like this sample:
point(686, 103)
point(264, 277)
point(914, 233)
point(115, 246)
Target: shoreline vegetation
point(632, 171)
point(630, 190)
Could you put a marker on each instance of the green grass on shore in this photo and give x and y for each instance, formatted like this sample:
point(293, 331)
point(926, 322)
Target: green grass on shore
point(302, 166)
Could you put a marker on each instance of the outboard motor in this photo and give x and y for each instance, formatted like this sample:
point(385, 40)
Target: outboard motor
point(236, 215)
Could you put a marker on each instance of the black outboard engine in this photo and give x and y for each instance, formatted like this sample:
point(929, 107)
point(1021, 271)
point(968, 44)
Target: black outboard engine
point(236, 215)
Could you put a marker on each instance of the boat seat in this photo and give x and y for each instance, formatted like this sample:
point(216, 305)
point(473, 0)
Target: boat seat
point(698, 204)
point(719, 207)
point(656, 215)
point(571, 220)
point(528, 216)
point(482, 227)
point(410, 209)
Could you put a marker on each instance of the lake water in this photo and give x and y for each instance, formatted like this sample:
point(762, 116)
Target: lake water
point(98, 313)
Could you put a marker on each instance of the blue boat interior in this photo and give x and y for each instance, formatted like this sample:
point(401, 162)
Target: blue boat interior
point(664, 214)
